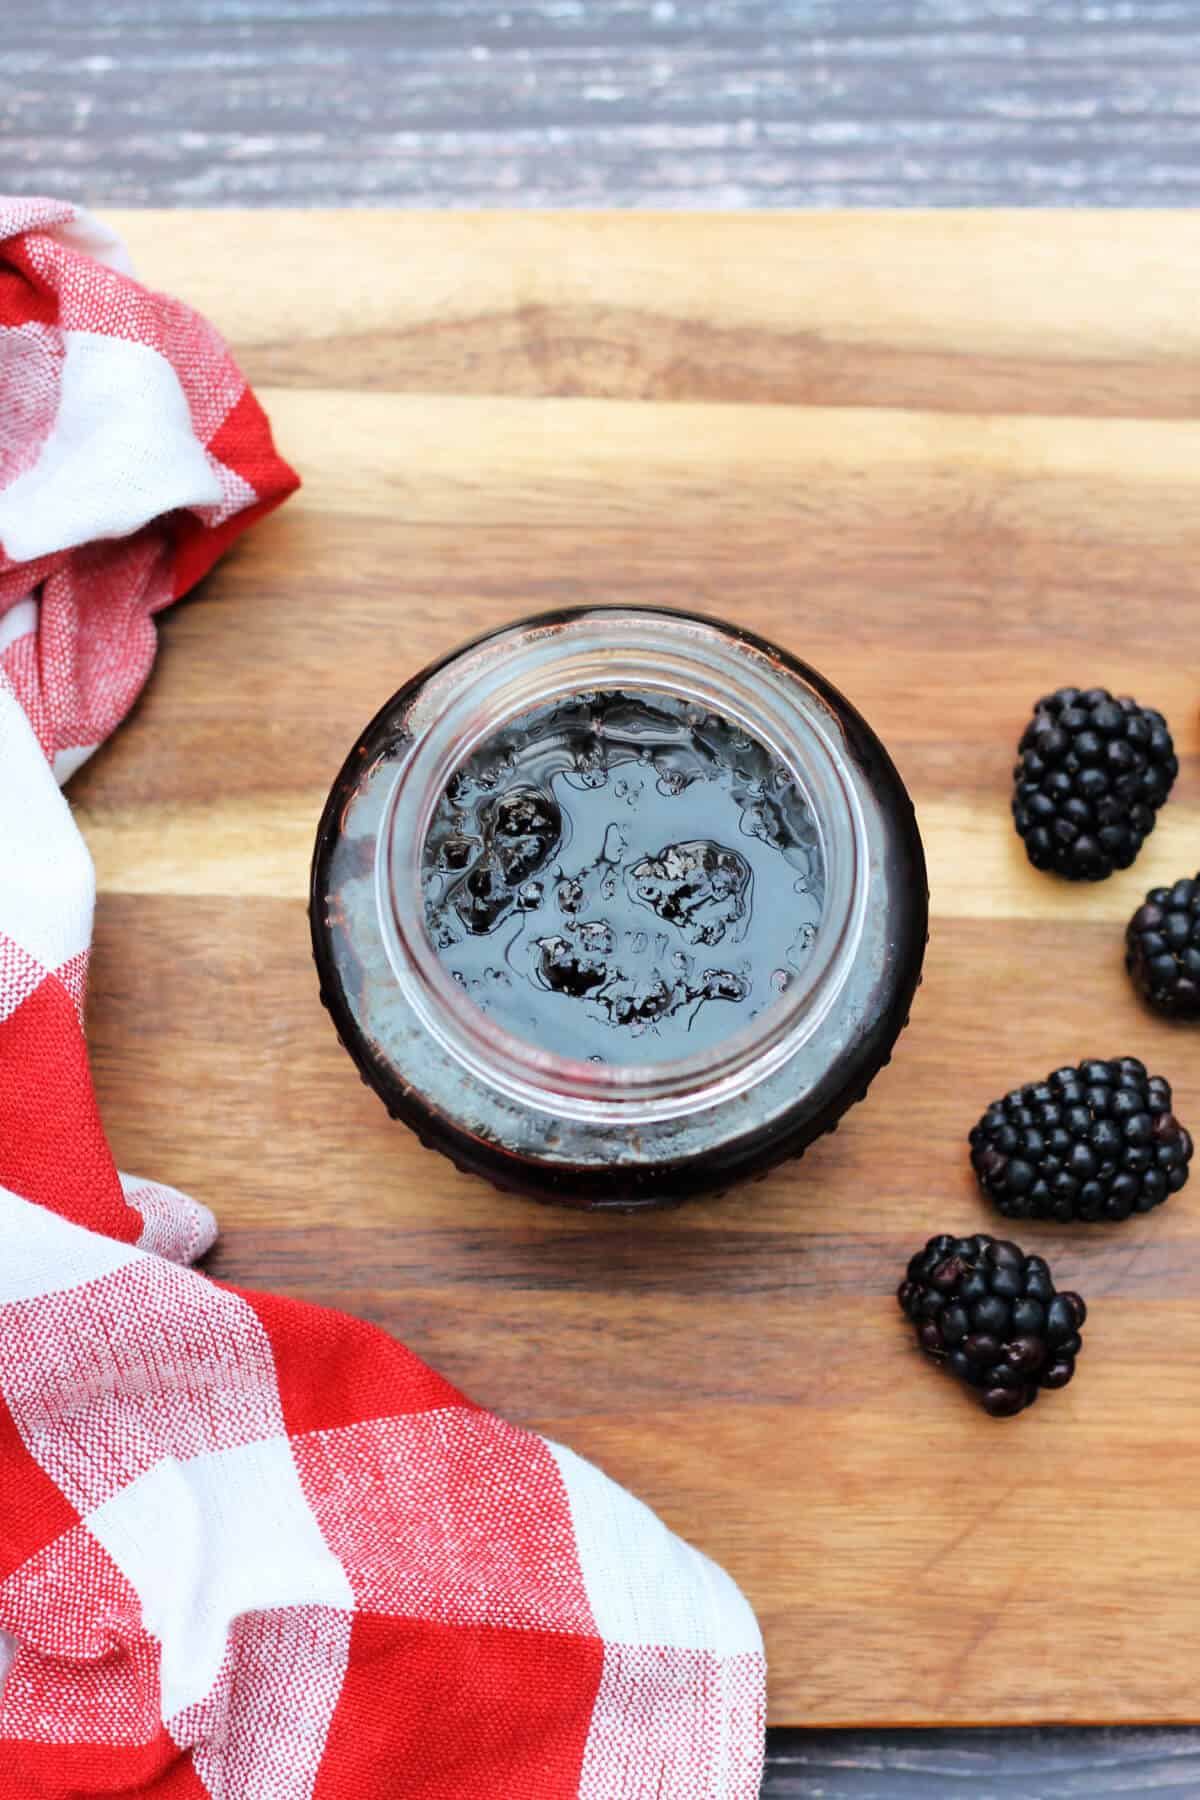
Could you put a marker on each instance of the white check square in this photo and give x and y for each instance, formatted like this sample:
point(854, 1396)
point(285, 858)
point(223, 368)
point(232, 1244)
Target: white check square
point(209, 1540)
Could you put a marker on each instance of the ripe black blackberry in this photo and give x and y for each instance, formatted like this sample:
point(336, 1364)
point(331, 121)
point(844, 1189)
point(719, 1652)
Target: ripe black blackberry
point(992, 1316)
point(1162, 949)
point(1092, 773)
point(1098, 1141)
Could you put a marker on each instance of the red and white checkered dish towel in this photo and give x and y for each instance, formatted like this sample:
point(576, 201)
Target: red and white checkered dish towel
point(249, 1549)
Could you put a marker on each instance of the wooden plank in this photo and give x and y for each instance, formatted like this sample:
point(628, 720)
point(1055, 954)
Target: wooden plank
point(852, 309)
point(539, 103)
point(980, 1765)
point(259, 846)
point(740, 1363)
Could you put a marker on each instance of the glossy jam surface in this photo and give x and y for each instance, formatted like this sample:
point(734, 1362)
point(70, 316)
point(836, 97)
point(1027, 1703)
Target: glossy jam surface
point(623, 877)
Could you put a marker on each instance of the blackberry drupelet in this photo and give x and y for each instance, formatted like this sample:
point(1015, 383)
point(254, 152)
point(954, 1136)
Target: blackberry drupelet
point(1096, 1142)
point(1091, 776)
point(993, 1317)
point(1162, 949)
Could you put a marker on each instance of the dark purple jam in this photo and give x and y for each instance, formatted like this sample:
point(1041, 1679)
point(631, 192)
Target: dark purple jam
point(623, 877)
point(617, 905)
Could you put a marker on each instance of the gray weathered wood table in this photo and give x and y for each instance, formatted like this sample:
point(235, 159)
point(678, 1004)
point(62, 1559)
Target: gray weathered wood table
point(603, 102)
point(609, 103)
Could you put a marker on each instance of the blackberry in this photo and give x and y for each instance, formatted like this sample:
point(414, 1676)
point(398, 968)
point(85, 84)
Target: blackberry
point(1162, 949)
point(1091, 775)
point(1098, 1141)
point(993, 1317)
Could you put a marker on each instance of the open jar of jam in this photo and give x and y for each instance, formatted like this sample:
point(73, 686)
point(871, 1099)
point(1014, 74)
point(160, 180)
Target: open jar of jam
point(617, 905)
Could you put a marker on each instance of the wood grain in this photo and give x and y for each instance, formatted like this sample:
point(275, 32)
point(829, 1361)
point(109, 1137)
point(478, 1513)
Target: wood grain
point(559, 103)
point(946, 312)
point(741, 1363)
point(980, 1765)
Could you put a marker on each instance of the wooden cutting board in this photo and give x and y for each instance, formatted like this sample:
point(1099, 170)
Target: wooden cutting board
point(954, 461)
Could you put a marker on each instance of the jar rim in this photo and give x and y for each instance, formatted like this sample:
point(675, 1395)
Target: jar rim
point(491, 683)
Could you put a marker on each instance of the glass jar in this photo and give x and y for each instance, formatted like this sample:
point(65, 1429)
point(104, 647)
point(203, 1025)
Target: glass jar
point(617, 905)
